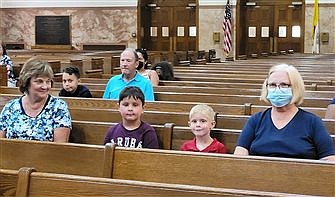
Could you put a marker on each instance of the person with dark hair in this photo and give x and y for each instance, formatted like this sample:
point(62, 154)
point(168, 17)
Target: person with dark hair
point(129, 77)
point(5, 60)
point(143, 67)
point(132, 131)
point(164, 70)
point(36, 115)
point(71, 87)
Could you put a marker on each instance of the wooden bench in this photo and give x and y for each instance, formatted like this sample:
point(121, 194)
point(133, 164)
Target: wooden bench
point(88, 132)
point(296, 176)
point(104, 47)
point(28, 182)
point(67, 158)
point(178, 118)
point(96, 70)
point(8, 182)
point(220, 84)
point(168, 106)
point(209, 90)
point(158, 117)
point(231, 99)
point(253, 73)
point(3, 75)
point(225, 171)
point(211, 57)
point(200, 97)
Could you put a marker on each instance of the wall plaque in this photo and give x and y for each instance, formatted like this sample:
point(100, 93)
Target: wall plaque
point(52, 30)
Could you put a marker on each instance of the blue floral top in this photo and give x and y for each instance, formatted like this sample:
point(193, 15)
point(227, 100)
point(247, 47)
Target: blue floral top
point(5, 60)
point(17, 124)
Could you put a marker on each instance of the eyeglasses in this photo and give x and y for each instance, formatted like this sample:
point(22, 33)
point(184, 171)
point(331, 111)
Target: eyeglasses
point(280, 86)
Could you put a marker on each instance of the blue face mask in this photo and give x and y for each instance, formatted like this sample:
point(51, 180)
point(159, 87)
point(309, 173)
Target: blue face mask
point(279, 97)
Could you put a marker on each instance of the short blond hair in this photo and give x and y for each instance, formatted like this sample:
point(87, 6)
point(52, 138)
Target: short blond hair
point(297, 83)
point(203, 109)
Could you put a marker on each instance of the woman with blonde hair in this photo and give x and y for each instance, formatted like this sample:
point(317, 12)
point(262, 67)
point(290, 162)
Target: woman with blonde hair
point(284, 129)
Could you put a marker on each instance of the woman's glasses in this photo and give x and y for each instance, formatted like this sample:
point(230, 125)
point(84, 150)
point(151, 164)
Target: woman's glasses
point(280, 86)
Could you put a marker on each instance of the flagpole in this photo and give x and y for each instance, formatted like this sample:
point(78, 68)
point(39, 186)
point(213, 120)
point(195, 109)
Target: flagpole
point(318, 35)
point(227, 31)
point(316, 30)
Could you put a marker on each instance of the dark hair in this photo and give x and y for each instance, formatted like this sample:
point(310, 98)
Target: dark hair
point(4, 50)
point(72, 70)
point(34, 68)
point(166, 70)
point(145, 56)
point(132, 92)
point(144, 53)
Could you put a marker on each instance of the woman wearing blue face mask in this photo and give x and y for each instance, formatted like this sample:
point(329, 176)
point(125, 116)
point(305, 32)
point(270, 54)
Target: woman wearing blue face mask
point(285, 130)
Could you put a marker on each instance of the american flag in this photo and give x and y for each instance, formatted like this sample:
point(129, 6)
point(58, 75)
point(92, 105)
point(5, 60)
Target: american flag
point(226, 25)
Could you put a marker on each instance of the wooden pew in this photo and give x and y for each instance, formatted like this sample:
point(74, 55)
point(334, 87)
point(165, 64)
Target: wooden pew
point(231, 99)
point(243, 77)
point(8, 182)
point(180, 118)
point(241, 80)
point(235, 70)
point(201, 97)
point(32, 183)
point(211, 57)
point(226, 171)
point(87, 132)
point(209, 90)
point(67, 158)
point(3, 75)
point(168, 106)
point(96, 70)
point(226, 84)
point(219, 84)
point(295, 176)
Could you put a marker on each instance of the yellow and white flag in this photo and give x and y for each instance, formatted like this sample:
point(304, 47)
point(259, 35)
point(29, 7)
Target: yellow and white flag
point(315, 32)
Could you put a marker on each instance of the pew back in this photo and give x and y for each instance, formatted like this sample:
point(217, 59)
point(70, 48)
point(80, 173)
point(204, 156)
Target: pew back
point(88, 132)
point(86, 160)
point(225, 171)
point(31, 183)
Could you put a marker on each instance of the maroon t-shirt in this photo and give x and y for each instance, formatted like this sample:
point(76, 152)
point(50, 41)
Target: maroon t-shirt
point(143, 137)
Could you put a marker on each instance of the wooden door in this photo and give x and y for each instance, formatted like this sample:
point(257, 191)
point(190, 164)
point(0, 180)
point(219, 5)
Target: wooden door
point(270, 26)
point(259, 29)
point(290, 19)
point(168, 25)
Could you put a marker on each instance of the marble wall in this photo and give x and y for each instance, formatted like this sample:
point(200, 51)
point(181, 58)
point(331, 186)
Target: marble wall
point(327, 25)
point(210, 20)
point(88, 25)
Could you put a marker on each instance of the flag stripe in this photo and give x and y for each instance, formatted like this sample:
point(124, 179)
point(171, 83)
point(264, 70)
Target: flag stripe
point(227, 29)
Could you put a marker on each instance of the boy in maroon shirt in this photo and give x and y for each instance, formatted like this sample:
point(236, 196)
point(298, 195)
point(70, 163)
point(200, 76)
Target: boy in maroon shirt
point(132, 132)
